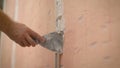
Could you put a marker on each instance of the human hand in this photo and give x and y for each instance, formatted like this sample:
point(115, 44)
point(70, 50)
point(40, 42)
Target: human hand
point(23, 35)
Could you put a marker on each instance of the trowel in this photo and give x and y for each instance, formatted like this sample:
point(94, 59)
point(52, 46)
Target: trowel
point(54, 42)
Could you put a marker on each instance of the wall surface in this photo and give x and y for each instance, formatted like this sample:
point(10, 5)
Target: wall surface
point(92, 35)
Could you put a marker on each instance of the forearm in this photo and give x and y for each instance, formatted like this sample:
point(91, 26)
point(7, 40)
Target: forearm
point(5, 21)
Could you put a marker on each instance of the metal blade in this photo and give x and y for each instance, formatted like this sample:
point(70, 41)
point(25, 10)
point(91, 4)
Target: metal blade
point(54, 42)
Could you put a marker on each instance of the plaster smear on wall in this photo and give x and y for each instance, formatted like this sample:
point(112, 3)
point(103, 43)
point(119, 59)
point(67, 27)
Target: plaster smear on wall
point(60, 26)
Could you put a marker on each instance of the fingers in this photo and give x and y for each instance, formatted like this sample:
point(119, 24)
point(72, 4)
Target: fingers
point(23, 35)
point(27, 41)
point(22, 44)
point(34, 35)
point(30, 40)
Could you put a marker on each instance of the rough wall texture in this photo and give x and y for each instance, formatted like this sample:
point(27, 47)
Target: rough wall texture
point(92, 34)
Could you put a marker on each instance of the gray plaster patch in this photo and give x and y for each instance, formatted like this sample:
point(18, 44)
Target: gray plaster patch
point(54, 42)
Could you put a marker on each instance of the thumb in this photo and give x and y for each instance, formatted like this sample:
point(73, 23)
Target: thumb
point(35, 36)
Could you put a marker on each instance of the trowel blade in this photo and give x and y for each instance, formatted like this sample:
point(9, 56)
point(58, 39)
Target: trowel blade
point(54, 42)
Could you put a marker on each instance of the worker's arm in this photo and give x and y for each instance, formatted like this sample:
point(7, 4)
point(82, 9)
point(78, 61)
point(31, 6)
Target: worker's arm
point(19, 33)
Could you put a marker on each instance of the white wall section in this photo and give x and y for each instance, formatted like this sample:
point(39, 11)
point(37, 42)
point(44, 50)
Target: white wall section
point(14, 44)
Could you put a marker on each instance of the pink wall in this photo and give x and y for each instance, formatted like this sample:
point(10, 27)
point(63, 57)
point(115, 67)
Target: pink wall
point(92, 34)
